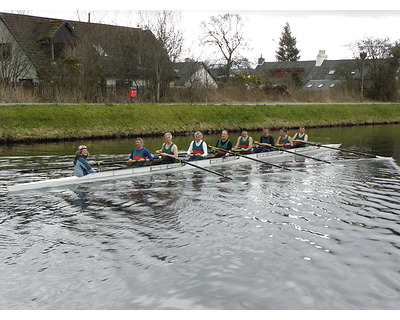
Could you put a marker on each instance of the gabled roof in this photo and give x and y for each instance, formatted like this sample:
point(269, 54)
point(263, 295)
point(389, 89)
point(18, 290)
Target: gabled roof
point(329, 69)
point(34, 33)
point(187, 69)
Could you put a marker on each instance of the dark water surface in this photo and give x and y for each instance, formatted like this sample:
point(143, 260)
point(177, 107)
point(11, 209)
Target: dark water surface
point(325, 238)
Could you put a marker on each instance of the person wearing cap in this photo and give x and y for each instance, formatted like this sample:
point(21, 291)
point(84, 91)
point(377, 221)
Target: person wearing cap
point(140, 154)
point(81, 165)
point(244, 143)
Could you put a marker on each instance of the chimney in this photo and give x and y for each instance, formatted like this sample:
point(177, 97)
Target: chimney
point(321, 56)
point(261, 60)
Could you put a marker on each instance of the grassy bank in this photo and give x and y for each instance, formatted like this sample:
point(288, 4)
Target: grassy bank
point(20, 123)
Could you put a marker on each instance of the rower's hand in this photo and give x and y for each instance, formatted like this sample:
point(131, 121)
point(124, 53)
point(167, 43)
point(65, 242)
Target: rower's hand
point(130, 160)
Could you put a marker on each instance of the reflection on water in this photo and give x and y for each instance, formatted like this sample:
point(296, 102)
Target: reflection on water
point(321, 237)
point(375, 139)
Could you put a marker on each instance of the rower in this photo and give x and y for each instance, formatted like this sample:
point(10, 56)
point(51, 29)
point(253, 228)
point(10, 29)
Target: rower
point(81, 165)
point(266, 142)
point(140, 154)
point(223, 143)
point(244, 143)
point(198, 148)
point(284, 140)
point(299, 137)
point(169, 150)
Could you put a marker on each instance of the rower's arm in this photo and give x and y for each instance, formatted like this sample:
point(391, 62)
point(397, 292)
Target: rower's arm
point(250, 143)
point(148, 155)
point(189, 151)
point(237, 143)
point(205, 154)
point(175, 151)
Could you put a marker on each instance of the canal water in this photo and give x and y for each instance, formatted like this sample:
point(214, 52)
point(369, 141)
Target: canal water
point(327, 237)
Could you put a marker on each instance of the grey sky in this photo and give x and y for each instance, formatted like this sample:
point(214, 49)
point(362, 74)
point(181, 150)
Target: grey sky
point(330, 30)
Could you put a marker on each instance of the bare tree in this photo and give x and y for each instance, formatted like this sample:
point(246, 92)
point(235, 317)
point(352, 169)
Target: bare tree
point(226, 33)
point(22, 12)
point(14, 64)
point(165, 26)
point(378, 62)
point(159, 56)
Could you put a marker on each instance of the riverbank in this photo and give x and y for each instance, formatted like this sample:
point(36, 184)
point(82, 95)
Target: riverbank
point(36, 122)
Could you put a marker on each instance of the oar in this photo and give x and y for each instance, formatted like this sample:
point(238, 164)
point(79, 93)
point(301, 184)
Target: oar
point(201, 168)
point(346, 150)
point(44, 169)
point(299, 154)
point(110, 163)
point(66, 166)
point(242, 155)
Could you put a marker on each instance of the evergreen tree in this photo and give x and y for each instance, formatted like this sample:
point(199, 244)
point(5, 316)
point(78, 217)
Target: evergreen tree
point(287, 50)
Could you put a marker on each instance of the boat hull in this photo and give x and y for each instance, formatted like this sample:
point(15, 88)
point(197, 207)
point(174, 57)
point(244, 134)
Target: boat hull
point(272, 157)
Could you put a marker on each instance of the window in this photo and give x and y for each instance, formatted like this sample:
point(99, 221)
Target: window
point(5, 51)
point(331, 72)
point(320, 85)
point(310, 85)
point(352, 73)
point(332, 85)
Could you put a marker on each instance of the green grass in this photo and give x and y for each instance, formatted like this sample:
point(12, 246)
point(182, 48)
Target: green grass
point(53, 122)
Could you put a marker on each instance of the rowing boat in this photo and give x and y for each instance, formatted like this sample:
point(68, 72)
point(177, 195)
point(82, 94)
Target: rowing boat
point(273, 156)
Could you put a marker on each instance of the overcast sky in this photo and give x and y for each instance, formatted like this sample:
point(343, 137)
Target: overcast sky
point(317, 25)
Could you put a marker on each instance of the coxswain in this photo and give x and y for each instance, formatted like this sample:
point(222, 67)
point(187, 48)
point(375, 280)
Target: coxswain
point(244, 143)
point(266, 142)
point(140, 154)
point(81, 165)
point(284, 140)
point(169, 150)
point(197, 148)
point(299, 137)
point(224, 143)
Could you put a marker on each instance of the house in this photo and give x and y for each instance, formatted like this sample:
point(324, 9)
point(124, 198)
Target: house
point(319, 74)
point(31, 47)
point(194, 73)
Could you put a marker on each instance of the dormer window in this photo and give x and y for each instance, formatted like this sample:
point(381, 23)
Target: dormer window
point(100, 51)
point(331, 72)
point(352, 73)
point(320, 85)
point(310, 85)
point(332, 85)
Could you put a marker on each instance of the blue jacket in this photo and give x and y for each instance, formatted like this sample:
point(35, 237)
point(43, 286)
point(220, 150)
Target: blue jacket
point(82, 167)
point(146, 153)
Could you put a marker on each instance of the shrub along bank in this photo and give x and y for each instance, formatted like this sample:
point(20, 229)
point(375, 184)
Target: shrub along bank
point(22, 123)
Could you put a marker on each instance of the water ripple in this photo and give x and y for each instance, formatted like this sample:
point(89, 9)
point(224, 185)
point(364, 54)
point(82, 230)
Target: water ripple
point(327, 238)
